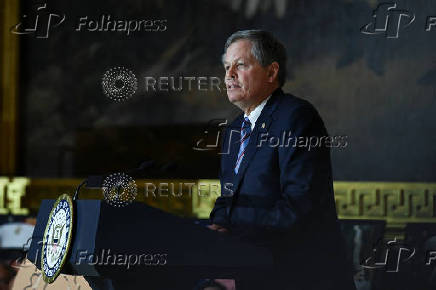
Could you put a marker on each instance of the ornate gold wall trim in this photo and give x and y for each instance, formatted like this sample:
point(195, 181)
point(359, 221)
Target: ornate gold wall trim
point(9, 10)
point(396, 203)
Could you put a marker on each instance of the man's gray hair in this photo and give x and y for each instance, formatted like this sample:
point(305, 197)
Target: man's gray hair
point(264, 47)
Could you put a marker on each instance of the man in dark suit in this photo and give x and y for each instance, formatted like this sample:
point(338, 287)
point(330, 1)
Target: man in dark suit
point(276, 180)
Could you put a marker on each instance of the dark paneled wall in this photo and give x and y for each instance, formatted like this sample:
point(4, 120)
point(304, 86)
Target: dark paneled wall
point(379, 91)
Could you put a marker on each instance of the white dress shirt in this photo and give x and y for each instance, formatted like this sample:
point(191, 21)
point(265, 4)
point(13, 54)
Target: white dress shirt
point(254, 115)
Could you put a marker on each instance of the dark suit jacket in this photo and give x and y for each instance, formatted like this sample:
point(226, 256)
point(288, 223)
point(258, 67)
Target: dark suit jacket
point(282, 197)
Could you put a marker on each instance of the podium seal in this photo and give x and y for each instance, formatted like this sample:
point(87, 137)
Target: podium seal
point(57, 238)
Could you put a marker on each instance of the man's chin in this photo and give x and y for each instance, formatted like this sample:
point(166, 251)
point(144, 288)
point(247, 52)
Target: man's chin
point(234, 98)
point(238, 102)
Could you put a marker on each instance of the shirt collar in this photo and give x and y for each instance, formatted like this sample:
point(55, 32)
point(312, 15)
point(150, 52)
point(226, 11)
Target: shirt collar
point(254, 115)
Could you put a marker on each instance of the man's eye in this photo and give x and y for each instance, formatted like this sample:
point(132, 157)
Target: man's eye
point(226, 68)
point(240, 64)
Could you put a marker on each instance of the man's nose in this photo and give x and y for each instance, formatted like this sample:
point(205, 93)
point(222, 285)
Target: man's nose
point(231, 74)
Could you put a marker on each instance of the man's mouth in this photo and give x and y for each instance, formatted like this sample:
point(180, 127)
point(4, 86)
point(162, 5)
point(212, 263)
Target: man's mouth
point(233, 86)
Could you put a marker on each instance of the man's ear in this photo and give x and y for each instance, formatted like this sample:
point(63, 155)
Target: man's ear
point(273, 72)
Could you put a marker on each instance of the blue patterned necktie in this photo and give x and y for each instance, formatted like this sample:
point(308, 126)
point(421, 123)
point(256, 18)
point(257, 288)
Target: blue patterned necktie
point(245, 138)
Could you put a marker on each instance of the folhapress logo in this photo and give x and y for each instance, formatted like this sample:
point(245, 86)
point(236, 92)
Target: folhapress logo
point(39, 24)
point(41, 21)
point(390, 256)
point(388, 20)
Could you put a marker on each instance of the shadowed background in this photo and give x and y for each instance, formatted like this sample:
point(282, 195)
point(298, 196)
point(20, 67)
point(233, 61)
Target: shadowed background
point(378, 91)
point(57, 126)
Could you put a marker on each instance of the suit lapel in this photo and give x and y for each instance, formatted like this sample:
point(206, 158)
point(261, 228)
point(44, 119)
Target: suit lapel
point(266, 117)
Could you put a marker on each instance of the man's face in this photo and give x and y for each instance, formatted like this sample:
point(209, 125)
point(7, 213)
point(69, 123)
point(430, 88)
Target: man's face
point(246, 80)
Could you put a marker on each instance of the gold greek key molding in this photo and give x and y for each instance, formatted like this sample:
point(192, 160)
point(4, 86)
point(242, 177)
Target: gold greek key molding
point(397, 203)
point(394, 202)
point(11, 193)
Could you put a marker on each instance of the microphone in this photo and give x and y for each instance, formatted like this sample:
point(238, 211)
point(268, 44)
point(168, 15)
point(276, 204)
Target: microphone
point(96, 181)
